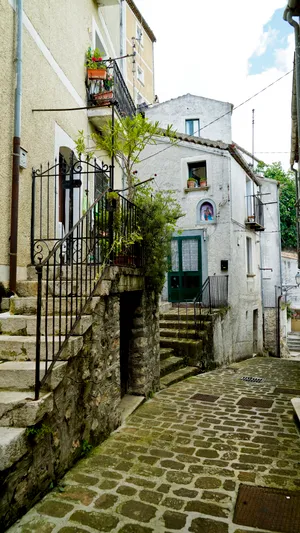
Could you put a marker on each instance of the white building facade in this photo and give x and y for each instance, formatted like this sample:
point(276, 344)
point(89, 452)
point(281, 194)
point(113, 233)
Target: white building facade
point(219, 235)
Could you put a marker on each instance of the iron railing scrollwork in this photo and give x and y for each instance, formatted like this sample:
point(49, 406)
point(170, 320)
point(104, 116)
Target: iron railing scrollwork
point(212, 295)
point(106, 234)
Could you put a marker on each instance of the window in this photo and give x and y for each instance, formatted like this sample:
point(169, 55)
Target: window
point(99, 44)
point(249, 255)
point(140, 74)
point(139, 34)
point(192, 127)
point(197, 171)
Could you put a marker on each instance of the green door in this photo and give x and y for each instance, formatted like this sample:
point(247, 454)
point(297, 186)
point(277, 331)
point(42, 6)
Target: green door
point(185, 278)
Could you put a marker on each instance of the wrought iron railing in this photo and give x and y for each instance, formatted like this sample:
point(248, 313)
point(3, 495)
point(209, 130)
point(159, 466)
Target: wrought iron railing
point(255, 213)
point(106, 234)
point(212, 295)
point(99, 92)
point(61, 193)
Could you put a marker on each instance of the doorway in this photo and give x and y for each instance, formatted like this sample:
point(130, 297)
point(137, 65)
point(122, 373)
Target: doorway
point(185, 277)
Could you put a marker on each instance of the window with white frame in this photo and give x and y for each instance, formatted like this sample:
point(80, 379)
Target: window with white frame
point(249, 255)
point(139, 34)
point(192, 127)
point(140, 74)
point(100, 45)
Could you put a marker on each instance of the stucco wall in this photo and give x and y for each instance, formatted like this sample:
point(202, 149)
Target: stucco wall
point(177, 110)
point(289, 271)
point(224, 238)
point(144, 58)
point(53, 78)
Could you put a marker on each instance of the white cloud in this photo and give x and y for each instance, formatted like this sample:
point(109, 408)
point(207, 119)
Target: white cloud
point(265, 40)
point(204, 48)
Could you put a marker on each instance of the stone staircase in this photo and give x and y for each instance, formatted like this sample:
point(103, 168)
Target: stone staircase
point(293, 341)
point(18, 409)
point(182, 352)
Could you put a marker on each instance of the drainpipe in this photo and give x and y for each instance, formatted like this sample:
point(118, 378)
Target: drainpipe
point(122, 31)
point(288, 16)
point(16, 154)
point(297, 214)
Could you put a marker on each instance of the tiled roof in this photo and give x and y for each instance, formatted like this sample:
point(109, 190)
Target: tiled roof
point(141, 20)
point(220, 145)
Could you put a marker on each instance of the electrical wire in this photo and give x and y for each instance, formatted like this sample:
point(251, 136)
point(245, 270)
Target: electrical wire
point(224, 114)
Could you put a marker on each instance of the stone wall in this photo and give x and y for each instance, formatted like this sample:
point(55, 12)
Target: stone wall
point(86, 403)
point(270, 330)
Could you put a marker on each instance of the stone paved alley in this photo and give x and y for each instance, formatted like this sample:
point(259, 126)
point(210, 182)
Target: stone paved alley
point(177, 463)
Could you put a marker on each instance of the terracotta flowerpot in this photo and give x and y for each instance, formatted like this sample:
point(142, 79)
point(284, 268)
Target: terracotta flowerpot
point(191, 184)
point(203, 183)
point(96, 74)
point(100, 97)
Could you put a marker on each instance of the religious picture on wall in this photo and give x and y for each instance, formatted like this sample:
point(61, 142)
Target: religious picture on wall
point(206, 212)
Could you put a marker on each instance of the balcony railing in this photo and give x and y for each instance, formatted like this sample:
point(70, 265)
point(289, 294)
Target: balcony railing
point(255, 213)
point(102, 93)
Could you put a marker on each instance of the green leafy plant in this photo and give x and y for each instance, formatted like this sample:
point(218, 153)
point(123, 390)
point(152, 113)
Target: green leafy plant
point(287, 202)
point(94, 59)
point(109, 82)
point(85, 448)
point(38, 432)
point(158, 215)
point(125, 140)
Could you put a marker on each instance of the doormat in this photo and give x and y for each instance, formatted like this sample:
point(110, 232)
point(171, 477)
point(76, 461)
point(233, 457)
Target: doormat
point(205, 397)
point(265, 508)
point(251, 379)
point(287, 391)
point(254, 402)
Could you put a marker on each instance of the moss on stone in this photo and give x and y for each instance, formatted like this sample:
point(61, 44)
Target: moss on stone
point(54, 508)
point(98, 521)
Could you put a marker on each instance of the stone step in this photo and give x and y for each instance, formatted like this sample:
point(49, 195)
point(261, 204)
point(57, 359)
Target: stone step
point(175, 324)
point(28, 305)
point(178, 375)
point(170, 365)
point(182, 333)
point(63, 288)
point(23, 348)
point(189, 317)
point(169, 342)
point(62, 272)
point(13, 445)
point(296, 407)
point(26, 324)
point(19, 409)
point(20, 375)
point(165, 353)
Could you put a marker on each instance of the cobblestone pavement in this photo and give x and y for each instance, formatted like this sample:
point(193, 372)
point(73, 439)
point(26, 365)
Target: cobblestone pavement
point(177, 464)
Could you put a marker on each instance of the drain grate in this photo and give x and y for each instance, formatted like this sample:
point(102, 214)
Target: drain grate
point(296, 392)
point(251, 379)
point(205, 397)
point(254, 402)
point(266, 508)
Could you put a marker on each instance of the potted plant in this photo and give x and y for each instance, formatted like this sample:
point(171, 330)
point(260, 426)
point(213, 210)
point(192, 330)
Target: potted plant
point(96, 67)
point(191, 183)
point(107, 94)
point(203, 182)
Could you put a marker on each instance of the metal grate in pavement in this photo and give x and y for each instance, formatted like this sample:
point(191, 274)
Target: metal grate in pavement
point(267, 508)
point(278, 390)
point(251, 379)
point(205, 397)
point(254, 402)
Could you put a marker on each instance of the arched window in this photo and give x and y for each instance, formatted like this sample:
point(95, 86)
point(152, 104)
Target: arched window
point(206, 211)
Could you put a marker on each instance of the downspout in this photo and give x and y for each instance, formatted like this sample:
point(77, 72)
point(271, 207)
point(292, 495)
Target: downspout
point(288, 15)
point(122, 29)
point(16, 154)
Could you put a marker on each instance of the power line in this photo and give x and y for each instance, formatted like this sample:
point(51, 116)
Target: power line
point(227, 113)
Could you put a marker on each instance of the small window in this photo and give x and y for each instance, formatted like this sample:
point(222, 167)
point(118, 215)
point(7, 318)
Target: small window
point(99, 44)
point(207, 212)
point(140, 74)
point(197, 171)
point(139, 34)
point(192, 127)
point(249, 255)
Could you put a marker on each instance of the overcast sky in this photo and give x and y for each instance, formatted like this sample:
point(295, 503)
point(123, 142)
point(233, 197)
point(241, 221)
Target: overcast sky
point(228, 51)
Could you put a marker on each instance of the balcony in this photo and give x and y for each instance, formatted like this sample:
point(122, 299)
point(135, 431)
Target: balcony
point(102, 94)
point(255, 213)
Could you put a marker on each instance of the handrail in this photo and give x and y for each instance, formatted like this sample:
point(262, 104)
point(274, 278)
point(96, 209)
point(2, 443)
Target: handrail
point(212, 295)
point(69, 275)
